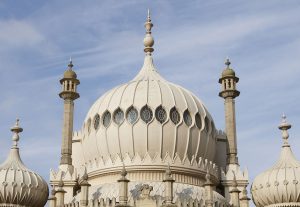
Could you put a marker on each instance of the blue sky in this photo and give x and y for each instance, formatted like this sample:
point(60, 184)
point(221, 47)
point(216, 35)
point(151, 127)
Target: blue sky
point(192, 39)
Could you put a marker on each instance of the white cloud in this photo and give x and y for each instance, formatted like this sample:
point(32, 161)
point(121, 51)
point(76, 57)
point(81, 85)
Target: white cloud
point(16, 33)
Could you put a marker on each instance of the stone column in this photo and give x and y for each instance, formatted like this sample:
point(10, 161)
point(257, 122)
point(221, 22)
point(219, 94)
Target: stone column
point(244, 200)
point(60, 194)
point(169, 188)
point(209, 187)
point(84, 194)
point(123, 188)
point(52, 198)
point(234, 194)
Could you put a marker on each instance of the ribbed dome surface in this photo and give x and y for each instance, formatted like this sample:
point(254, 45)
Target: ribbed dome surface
point(19, 185)
point(148, 116)
point(279, 186)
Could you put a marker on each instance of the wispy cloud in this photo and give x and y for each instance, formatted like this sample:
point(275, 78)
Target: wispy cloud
point(191, 42)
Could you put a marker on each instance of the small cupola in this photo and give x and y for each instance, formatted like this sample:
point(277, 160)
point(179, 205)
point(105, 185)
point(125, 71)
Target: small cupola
point(69, 83)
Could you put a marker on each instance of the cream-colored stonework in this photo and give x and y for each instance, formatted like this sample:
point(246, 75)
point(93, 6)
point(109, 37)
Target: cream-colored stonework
point(149, 143)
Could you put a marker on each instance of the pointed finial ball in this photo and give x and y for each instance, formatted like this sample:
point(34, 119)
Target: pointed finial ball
point(228, 71)
point(123, 172)
point(16, 128)
point(148, 40)
point(227, 62)
point(70, 65)
point(284, 124)
point(61, 183)
point(53, 191)
point(69, 73)
point(85, 175)
point(168, 171)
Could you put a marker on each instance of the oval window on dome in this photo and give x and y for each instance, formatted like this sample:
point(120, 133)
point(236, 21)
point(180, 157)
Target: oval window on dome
point(89, 125)
point(198, 121)
point(146, 114)
point(187, 118)
point(118, 116)
point(132, 115)
point(106, 119)
point(96, 121)
point(161, 114)
point(174, 116)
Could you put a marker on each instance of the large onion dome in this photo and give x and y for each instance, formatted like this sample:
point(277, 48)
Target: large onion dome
point(150, 119)
point(19, 185)
point(279, 186)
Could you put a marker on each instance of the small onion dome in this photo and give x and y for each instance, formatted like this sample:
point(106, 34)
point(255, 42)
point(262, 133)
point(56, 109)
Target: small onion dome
point(19, 185)
point(228, 71)
point(69, 73)
point(279, 186)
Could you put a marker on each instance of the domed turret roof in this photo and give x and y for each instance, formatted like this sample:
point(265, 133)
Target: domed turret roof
point(20, 186)
point(279, 185)
point(70, 73)
point(147, 118)
point(228, 71)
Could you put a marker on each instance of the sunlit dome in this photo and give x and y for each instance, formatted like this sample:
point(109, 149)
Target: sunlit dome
point(279, 185)
point(147, 122)
point(19, 185)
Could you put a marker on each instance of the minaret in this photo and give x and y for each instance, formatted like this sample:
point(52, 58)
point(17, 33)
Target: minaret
point(229, 93)
point(69, 93)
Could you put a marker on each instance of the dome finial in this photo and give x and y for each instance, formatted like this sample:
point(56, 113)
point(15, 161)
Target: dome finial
point(227, 62)
point(16, 129)
point(70, 65)
point(148, 40)
point(284, 126)
point(123, 172)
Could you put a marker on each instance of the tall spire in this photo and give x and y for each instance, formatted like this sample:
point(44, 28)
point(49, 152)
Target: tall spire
point(148, 39)
point(16, 130)
point(284, 126)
